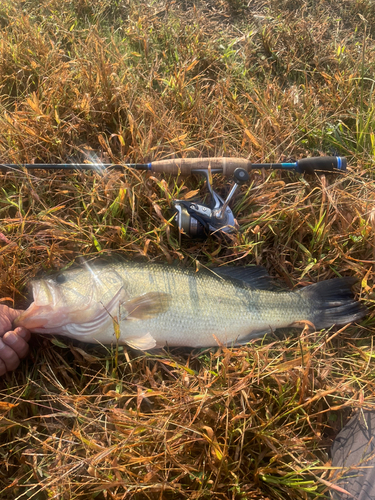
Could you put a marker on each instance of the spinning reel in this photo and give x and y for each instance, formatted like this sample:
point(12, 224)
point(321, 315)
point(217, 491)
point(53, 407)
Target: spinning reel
point(195, 219)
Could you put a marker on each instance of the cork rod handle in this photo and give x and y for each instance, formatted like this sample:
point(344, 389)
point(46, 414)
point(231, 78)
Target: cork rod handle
point(184, 166)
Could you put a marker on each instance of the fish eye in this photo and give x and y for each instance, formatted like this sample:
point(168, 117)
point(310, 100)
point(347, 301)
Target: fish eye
point(60, 278)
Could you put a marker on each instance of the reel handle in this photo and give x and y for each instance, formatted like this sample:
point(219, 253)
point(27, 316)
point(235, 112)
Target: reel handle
point(240, 177)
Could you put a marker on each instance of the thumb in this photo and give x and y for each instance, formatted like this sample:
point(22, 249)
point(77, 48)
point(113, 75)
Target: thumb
point(7, 316)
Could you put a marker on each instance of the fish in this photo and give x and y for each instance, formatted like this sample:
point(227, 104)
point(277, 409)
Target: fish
point(149, 305)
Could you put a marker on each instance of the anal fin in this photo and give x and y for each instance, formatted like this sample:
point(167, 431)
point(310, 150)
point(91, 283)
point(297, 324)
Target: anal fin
point(142, 343)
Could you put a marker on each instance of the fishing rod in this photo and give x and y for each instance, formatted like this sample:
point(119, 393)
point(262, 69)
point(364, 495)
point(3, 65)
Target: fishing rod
point(192, 218)
point(185, 166)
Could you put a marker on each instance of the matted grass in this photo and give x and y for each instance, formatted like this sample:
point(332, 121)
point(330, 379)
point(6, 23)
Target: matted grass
point(139, 81)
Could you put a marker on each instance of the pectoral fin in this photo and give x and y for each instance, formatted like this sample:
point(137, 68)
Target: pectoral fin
point(143, 343)
point(145, 306)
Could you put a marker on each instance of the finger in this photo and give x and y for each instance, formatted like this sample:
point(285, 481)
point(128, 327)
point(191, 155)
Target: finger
point(23, 332)
point(14, 313)
point(9, 312)
point(8, 356)
point(18, 344)
point(5, 323)
point(3, 368)
point(7, 316)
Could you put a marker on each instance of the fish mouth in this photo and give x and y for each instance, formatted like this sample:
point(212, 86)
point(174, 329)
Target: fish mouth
point(49, 311)
point(35, 317)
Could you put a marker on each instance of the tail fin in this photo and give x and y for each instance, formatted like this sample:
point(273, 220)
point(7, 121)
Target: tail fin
point(332, 302)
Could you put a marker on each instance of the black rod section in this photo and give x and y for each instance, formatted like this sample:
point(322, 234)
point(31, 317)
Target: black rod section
point(72, 166)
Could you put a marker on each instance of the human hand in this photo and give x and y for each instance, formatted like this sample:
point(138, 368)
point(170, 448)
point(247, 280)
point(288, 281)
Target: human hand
point(13, 343)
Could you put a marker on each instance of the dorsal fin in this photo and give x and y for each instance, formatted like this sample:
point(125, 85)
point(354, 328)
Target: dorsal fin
point(255, 276)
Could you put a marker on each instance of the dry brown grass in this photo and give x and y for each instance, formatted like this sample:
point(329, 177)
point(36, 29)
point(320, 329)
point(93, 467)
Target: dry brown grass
point(137, 81)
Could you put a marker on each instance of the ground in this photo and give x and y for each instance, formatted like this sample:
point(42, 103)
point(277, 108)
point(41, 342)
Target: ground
point(132, 81)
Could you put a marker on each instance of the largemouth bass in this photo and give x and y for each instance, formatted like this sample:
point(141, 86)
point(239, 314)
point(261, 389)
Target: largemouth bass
point(153, 305)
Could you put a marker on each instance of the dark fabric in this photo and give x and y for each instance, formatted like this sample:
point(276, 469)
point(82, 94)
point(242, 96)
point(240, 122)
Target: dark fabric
point(354, 448)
